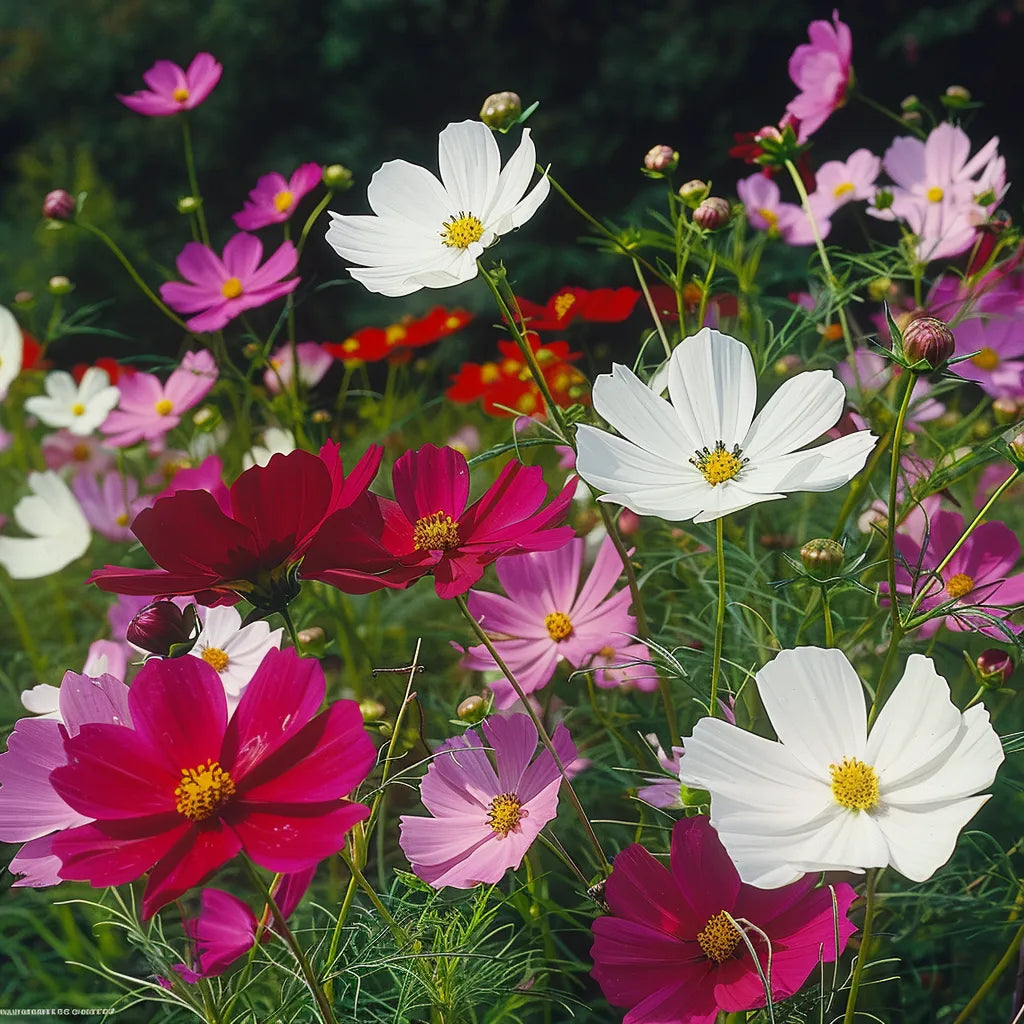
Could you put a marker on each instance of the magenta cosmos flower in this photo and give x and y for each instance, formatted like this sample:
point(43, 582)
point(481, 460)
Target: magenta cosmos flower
point(485, 816)
point(430, 529)
point(172, 90)
point(548, 616)
point(185, 788)
point(275, 197)
point(668, 951)
point(977, 577)
point(222, 289)
point(822, 71)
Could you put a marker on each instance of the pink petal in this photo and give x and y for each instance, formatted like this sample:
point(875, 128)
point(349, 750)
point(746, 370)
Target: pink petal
point(112, 852)
point(200, 265)
point(279, 265)
point(514, 740)
point(431, 480)
point(242, 256)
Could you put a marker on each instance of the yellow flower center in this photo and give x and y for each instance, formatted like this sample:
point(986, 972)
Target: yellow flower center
point(844, 188)
point(527, 404)
point(122, 519)
point(453, 323)
point(854, 784)
point(78, 409)
point(462, 231)
point(770, 216)
point(164, 407)
point(172, 468)
point(394, 334)
point(203, 791)
point(719, 938)
point(719, 464)
point(180, 94)
point(986, 359)
point(563, 304)
point(231, 288)
point(489, 373)
point(934, 194)
point(350, 345)
point(959, 585)
point(81, 452)
point(283, 200)
point(558, 626)
point(504, 814)
point(437, 532)
point(217, 659)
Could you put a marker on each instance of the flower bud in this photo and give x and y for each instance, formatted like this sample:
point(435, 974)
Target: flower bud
point(910, 102)
point(59, 205)
point(880, 288)
point(883, 199)
point(785, 365)
point(501, 110)
point(994, 667)
point(337, 177)
point(956, 97)
point(206, 419)
point(59, 285)
point(822, 557)
point(472, 709)
point(713, 213)
point(371, 710)
point(163, 628)
point(321, 416)
point(928, 339)
point(1005, 411)
point(1017, 447)
point(769, 133)
point(693, 191)
point(24, 299)
point(912, 117)
point(188, 204)
point(661, 159)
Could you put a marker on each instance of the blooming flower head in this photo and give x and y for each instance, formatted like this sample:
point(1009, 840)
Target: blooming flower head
point(485, 815)
point(396, 342)
point(186, 788)
point(276, 441)
point(232, 650)
point(548, 616)
point(765, 210)
point(313, 362)
point(669, 951)
point(80, 454)
point(663, 790)
point(172, 90)
point(105, 658)
point(845, 181)
point(79, 408)
point(601, 305)
point(830, 796)
point(149, 408)
point(219, 290)
point(252, 543)
point(426, 233)
point(429, 528)
point(109, 504)
point(275, 197)
point(58, 530)
point(706, 455)
point(976, 579)
point(822, 71)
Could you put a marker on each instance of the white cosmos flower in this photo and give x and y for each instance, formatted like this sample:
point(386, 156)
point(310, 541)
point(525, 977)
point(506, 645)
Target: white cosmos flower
point(57, 528)
point(428, 233)
point(235, 651)
point(11, 350)
point(81, 408)
point(705, 454)
point(830, 796)
point(276, 441)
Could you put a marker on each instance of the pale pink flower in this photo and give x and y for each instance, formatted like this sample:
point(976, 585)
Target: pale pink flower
point(219, 290)
point(869, 372)
point(313, 360)
point(105, 658)
point(624, 663)
point(148, 409)
point(274, 198)
point(81, 454)
point(766, 212)
point(845, 181)
point(664, 790)
point(109, 504)
point(822, 71)
point(172, 90)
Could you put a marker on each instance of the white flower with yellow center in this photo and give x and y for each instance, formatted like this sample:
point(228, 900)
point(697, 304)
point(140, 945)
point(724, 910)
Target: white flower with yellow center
point(705, 454)
point(81, 408)
point(829, 795)
point(11, 350)
point(427, 233)
point(234, 651)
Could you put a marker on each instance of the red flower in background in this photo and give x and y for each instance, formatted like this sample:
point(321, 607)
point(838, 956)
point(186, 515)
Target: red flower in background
point(115, 370)
point(396, 341)
point(602, 305)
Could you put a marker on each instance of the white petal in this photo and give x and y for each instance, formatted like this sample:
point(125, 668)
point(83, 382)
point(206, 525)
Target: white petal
point(469, 161)
point(11, 347)
point(525, 209)
point(824, 468)
point(803, 408)
point(405, 191)
point(508, 209)
point(730, 497)
point(382, 241)
point(713, 388)
point(815, 702)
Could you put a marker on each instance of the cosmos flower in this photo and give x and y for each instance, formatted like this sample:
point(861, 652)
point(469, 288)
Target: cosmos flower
point(79, 408)
point(706, 455)
point(313, 363)
point(822, 71)
point(274, 198)
point(829, 795)
point(11, 346)
point(426, 233)
point(172, 90)
point(765, 210)
point(109, 504)
point(232, 650)
point(846, 181)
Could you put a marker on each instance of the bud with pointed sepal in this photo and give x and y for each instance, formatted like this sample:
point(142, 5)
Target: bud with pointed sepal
point(162, 628)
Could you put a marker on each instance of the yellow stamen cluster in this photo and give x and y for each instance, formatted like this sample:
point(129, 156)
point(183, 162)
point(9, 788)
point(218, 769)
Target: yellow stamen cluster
point(558, 626)
point(217, 659)
point(771, 218)
point(164, 407)
point(394, 334)
point(283, 200)
point(719, 938)
point(718, 464)
point(180, 94)
point(959, 585)
point(231, 288)
point(504, 813)
point(203, 791)
point(437, 532)
point(563, 304)
point(986, 359)
point(934, 194)
point(854, 784)
point(78, 409)
point(842, 189)
point(462, 231)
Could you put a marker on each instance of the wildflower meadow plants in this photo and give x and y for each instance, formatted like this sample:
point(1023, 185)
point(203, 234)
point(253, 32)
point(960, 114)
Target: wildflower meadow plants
point(772, 533)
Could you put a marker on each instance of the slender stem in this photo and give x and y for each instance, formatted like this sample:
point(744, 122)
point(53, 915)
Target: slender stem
point(311, 220)
point(865, 941)
point(290, 626)
point(826, 610)
point(193, 181)
point(716, 661)
point(541, 731)
point(396, 929)
point(650, 305)
point(875, 105)
point(861, 481)
point(1011, 954)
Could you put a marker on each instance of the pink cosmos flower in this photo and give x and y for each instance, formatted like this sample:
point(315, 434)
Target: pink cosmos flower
point(668, 951)
point(663, 790)
point(869, 372)
point(840, 182)
point(148, 409)
point(81, 454)
point(109, 504)
point(185, 788)
point(30, 809)
point(624, 663)
point(313, 360)
point(548, 616)
point(485, 816)
point(822, 71)
point(977, 577)
point(274, 198)
point(172, 90)
point(219, 290)
point(765, 211)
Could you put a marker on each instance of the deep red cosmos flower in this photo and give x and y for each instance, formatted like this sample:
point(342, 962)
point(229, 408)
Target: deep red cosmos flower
point(185, 788)
point(602, 305)
point(429, 529)
point(396, 341)
point(224, 545)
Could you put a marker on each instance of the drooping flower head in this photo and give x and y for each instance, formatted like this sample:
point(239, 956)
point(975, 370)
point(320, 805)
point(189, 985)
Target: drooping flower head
point(426, 233)
point(706, 455)
point(219, 290)
point(822, 71)
point(668, 951)
point(186, 788)
point(172, 90)
point(485, 815)
point(829, 795)
point(275, 197)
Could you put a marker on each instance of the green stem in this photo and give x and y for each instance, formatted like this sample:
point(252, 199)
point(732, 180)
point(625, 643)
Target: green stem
point(716, 661)
point(193, 181)
point(650, 305)
point(290, 626)
point(865, 941)
point(311, 220)
point(891, 114)
point(396, 929)
point(861, 481)
point(826, 608)
point(1009, 957)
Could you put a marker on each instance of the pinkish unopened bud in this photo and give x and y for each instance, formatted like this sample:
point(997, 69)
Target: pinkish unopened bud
point(822, 557)
point(472, 709)
point(995, 667)
point(928, 339)
point(24, 298)
point(163, 628)
point(768, 133)
point(59, 205)
point(713, 213)
point(501, 110)
point(661, 159)
point(785, 365)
